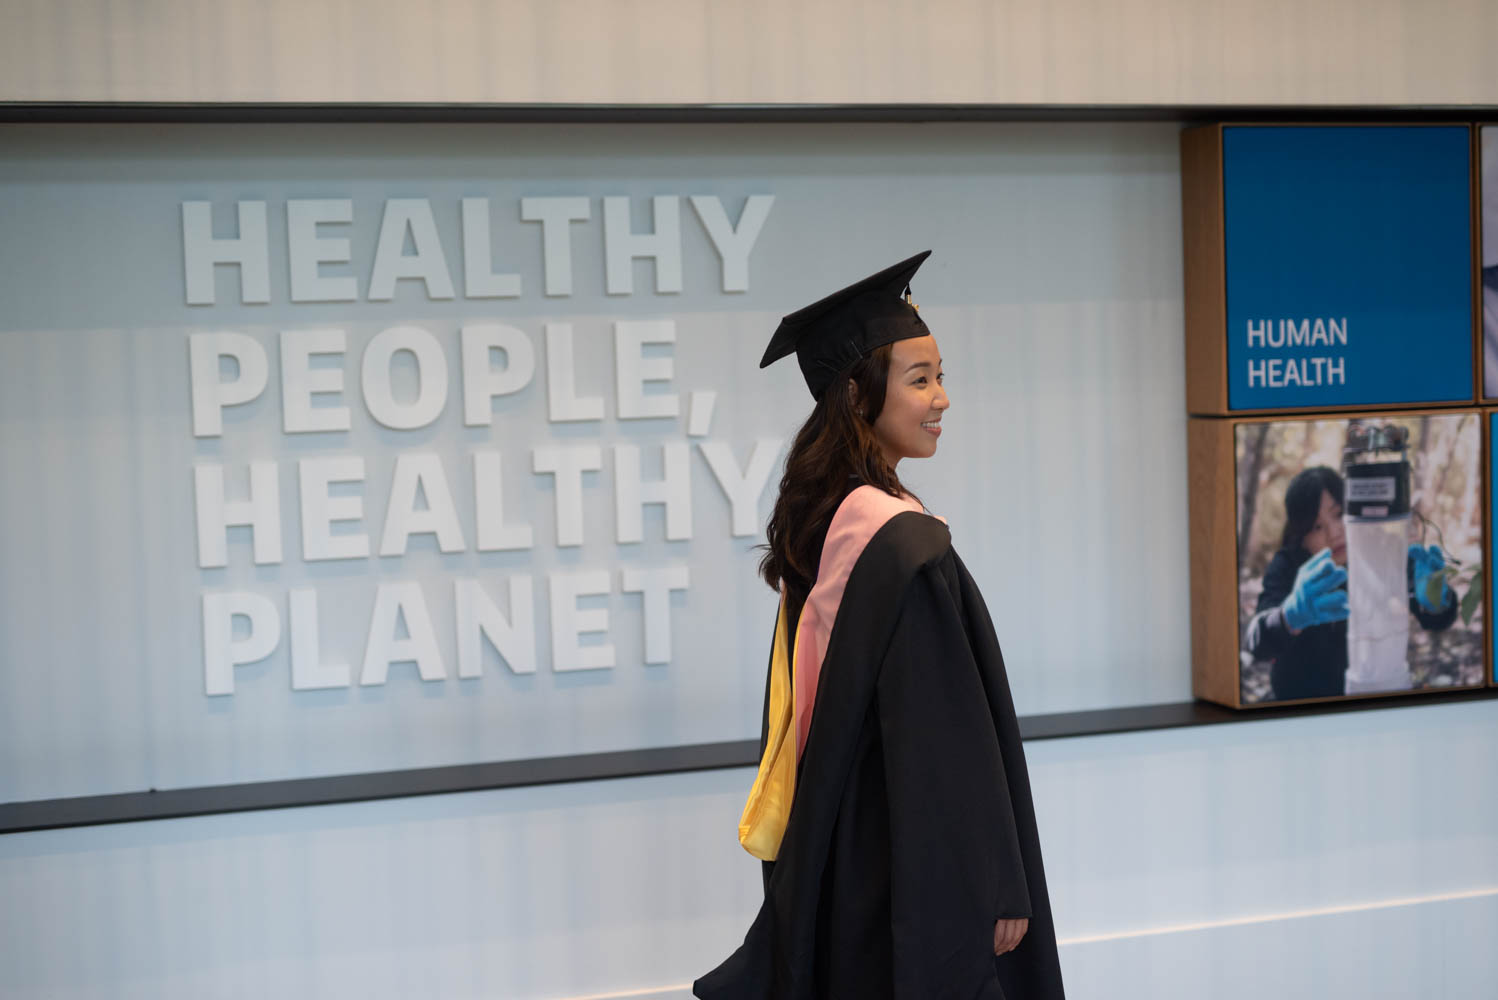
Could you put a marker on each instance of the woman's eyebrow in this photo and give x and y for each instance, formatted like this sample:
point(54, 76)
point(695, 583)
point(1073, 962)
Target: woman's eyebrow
point(918, 364)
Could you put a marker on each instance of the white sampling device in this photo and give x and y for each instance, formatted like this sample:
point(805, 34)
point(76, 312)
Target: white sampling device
point(1376, 515)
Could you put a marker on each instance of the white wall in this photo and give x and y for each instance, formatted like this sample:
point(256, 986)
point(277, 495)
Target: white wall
point(1107, 52)
point(1349, 855)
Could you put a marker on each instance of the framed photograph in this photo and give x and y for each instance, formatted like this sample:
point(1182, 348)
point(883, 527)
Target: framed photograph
point(1359, 557)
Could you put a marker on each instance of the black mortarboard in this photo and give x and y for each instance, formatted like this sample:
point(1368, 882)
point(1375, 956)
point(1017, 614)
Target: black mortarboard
point(829, 335)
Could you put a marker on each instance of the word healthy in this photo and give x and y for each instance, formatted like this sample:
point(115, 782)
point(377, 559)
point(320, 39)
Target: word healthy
point(411, 222)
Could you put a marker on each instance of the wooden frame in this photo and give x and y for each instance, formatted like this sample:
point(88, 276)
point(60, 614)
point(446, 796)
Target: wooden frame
point(1204, 245)
point(1213, 519)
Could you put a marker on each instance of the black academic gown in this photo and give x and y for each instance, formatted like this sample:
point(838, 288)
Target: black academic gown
point(912, 829)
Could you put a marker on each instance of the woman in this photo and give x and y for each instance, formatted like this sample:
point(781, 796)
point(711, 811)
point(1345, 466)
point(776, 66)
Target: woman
point(892, 807)
point(1300, 621)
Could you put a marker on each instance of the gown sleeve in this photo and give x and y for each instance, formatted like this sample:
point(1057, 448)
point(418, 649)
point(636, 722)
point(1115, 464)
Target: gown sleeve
point(957, 864)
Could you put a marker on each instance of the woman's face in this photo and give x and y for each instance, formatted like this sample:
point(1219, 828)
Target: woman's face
point(1328, 532)
point(914, 401)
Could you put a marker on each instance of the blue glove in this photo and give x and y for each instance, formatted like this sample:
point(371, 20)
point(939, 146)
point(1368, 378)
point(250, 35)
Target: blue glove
point(1425, 562)
point(1318, 597)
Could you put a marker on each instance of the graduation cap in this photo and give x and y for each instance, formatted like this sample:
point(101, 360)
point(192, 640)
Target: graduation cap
point(828, 336)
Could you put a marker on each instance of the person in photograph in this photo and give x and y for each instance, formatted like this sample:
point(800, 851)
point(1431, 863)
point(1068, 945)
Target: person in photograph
point(892, 807)
point(1300, 622)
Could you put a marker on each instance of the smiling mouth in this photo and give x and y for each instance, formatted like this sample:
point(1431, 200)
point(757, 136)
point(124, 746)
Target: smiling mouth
point(933, 426)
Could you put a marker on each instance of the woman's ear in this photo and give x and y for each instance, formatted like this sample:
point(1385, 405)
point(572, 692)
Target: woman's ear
point(853, 393)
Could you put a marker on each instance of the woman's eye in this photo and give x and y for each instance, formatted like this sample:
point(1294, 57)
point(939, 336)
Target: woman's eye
point(919, 381)
point(941, 378)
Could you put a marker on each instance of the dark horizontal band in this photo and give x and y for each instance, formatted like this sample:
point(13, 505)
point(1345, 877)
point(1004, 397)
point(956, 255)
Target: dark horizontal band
point(324, 113)
point(91, 810)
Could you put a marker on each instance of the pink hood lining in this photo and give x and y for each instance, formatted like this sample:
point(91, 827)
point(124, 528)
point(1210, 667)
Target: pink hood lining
point(861, 514)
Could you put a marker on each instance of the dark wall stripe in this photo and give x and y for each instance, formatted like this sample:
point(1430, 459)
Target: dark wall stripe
point(138, 112)
point(48, 814)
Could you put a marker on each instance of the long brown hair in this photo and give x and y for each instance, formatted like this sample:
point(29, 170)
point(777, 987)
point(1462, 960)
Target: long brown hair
point(835, 449)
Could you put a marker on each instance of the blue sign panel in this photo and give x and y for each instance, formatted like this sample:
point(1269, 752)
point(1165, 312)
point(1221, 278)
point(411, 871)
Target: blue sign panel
point(1349, 266)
